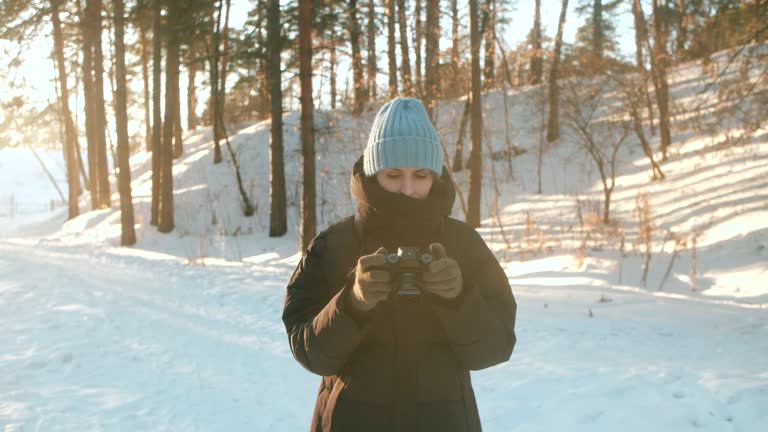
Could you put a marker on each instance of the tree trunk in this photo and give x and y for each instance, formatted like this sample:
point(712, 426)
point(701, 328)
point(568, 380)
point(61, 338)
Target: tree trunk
point(458, 156)
point(157, 46)
point(489, 66)
point(404, 56)
point(455, 59)
point(537, 66)
point(372, 67)
point(99, 109)
point(214, 53)
point(192, 68)
point(598, 33)
point(432, 53)
point(145, 80)
point(70, 134)
point(128, 233)
point(417, 40)
point(553, 123)
point(89, 103)
point(659, 68)
point(334, 78)
point(682, 32)
point(308, 206)
point(641, 37)
point(277, 200)
point(166, 223)
point(390, 4)
point(361, 93)
point(475, 157)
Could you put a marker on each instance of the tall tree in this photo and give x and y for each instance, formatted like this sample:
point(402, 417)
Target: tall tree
point(144, 55)
point(455, 57)
point(475, 149)
point(641, 38)
point(166, 222)
point(598, 34)
point(372, 67)
point(489, 25)
point(361, 93)
point(214, 55)
point(417, 45)
point(157, 46)
point(99, 108)
point(536, 66)
point(659, 62)
point(277, 201)
point(432, 55)
point(682, 33)
point(91, 125)
point(70, 134)
point(405, 59)
point(391, 56)
point(308, 206)
point(128, 233)
point(553, 121)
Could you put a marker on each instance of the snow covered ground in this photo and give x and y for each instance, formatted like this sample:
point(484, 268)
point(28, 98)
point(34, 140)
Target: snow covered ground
point(183, 332)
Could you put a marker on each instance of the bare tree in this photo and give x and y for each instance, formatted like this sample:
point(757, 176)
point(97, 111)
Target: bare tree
point(632, 90)
point(600, 137)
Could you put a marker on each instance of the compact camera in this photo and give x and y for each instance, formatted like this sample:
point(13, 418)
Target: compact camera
point(405, 266)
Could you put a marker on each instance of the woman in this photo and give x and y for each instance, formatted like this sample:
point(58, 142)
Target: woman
point(391, 359)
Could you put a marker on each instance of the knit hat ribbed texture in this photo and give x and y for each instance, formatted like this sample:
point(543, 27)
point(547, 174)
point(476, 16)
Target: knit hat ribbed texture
point(402, 136)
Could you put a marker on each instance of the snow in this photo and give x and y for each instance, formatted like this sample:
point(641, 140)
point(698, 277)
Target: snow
point(183, 331)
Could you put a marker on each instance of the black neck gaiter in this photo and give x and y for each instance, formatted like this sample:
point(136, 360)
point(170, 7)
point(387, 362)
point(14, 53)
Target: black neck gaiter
point(393, 220)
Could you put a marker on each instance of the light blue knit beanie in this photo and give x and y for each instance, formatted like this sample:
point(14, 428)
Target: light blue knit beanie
point(402, 136)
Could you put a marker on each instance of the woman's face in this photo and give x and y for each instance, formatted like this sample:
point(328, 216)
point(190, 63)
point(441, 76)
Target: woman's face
point(412, 182)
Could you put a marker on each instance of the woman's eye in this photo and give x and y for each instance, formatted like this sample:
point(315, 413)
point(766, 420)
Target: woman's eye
point(393, 176)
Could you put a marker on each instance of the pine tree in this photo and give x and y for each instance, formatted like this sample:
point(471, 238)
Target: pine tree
point(277, 201)
point(128, 233)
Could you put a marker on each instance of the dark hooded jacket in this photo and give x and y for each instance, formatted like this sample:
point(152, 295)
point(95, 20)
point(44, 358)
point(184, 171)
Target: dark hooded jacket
point(404, 366)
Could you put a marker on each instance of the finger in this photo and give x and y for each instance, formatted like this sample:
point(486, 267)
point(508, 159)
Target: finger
point(373, 277)
point(437, 250)
point(443, 276)
point(370, 261)
point(381, 251)
point(379, 276)
point(439, 265)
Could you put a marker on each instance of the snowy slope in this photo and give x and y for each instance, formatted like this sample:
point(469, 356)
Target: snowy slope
point(183, 331)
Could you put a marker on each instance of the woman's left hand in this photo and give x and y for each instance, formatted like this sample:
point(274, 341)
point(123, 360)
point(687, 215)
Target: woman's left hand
point(444, 276)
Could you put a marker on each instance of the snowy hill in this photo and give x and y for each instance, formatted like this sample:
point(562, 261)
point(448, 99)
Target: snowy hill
point(183, 331)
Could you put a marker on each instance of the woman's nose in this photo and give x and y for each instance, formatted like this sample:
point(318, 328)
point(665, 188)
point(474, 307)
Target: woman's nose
point(406, 188)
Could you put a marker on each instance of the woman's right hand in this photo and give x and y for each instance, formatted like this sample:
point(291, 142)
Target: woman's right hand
point(372, 284)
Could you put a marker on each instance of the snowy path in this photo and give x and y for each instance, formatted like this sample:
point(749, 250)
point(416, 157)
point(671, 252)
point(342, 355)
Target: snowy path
point(92, 340)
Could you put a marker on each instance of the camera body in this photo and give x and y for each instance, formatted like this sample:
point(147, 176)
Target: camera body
point(405, 266)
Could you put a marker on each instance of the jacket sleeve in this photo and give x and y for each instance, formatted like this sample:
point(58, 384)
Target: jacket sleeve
point(321, 333)
point(480, 324)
